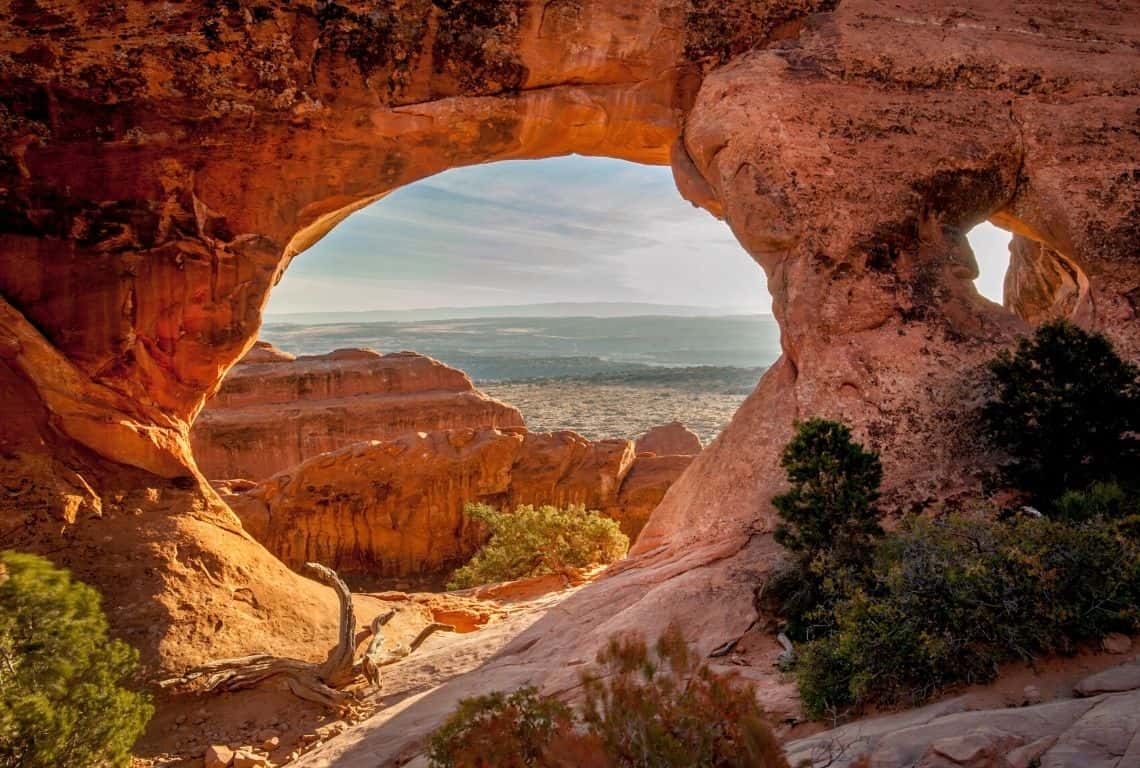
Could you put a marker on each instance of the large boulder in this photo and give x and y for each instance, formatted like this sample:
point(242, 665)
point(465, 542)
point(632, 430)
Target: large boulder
point(672, 439)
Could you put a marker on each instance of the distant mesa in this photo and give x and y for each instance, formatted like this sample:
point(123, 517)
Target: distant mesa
point(264, 352)
point(274, 410)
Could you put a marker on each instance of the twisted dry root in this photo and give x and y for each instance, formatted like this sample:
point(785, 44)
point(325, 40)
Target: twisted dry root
point(319, 683)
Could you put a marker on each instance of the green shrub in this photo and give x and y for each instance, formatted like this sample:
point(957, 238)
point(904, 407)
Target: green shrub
point(1067, 411)
point(532, 541)
point(1107, 500)
point(830, 506)
point(659, 708)
point(951, 599)
point(61, 697)
point(828, 520)
point(499, 731)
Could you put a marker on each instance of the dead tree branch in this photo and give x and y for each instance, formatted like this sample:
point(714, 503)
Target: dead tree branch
point(320, 683)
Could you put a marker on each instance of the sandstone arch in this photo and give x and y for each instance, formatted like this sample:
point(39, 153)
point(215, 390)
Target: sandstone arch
point(152, 193)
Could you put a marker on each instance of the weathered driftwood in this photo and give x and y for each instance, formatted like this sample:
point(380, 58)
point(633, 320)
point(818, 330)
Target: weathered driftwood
point(378, 656)
point(320, 683)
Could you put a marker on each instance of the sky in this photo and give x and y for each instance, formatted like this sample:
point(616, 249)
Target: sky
point(569, 229)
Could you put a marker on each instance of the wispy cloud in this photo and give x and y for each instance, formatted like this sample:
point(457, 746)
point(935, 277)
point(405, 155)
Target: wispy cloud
point(564, 229)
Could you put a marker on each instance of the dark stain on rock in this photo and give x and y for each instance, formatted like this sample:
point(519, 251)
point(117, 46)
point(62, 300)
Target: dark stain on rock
point(716, 31)
point(477, 44)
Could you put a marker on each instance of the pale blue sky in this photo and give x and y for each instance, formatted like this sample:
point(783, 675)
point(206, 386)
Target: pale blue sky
point(524, 232)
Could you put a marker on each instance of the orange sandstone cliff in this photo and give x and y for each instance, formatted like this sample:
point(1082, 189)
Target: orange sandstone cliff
point(273, 410)
point(394, 508)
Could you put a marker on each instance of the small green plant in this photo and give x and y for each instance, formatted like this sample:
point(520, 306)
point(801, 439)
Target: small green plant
point(532, 541)
point(950, 599)
point(499, 731)
point(62, 700)
point(828, 520)
point(1067, 411)
point(659, 707)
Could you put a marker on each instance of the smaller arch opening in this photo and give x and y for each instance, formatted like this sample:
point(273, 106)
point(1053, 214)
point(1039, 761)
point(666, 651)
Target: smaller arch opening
point(1028, 277)
point(991, 251)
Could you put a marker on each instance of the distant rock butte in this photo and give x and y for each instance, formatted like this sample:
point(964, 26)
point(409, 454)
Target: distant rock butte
point(394, 508)
point(274, 410)
point(672, 439)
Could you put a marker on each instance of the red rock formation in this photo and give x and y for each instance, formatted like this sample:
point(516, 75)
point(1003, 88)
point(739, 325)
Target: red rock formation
point(395, 508)
point(274, 411)
point(672, 439)
point(645, 485)
point(160, 168)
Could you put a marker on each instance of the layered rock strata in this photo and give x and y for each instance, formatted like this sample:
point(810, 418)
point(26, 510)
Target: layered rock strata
point(394, 508)
point(274, 411)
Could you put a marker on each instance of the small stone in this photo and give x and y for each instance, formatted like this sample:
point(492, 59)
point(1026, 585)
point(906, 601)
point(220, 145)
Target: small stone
point(309, 738)
point(180, 719)
point(245, 759)
point(272, 743)
point(1031, 695)
point(1116, 643)
point(218, 756)
point(326, 732)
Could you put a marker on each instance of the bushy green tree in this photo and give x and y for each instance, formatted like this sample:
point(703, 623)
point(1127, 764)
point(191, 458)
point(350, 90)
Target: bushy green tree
point(830, 506)
point(1067, 410)
point(532, 541)
point(62, 700)
point(828, 520)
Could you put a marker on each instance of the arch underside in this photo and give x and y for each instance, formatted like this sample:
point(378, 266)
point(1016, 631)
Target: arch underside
point(150, 202)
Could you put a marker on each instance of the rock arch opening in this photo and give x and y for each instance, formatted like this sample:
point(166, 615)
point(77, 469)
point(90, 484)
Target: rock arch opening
point(581, 294)
point(991, 251)
point(1031, 278)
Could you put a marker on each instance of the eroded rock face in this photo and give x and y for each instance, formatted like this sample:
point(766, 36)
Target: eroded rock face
point(672, 439)
point(159, 167)
point(274, 411)
point(394, 508)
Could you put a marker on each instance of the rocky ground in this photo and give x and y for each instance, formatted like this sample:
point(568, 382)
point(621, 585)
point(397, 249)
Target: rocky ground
point(268, 726)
